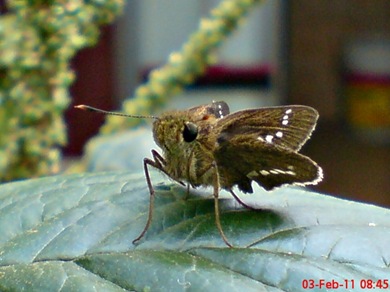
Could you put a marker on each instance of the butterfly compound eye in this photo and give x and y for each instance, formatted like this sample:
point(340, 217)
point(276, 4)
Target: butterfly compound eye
point(190, 132)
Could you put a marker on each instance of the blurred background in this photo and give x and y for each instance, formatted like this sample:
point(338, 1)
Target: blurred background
point(331, 55)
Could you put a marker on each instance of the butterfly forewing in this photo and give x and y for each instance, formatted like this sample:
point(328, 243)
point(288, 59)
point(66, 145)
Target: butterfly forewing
point(217, 109)
point(287, 126)
point(263, 144)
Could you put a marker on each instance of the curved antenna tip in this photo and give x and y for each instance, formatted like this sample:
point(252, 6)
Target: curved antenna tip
point(94, 109)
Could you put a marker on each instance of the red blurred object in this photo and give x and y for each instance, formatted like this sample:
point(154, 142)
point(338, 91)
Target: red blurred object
point(93, 86)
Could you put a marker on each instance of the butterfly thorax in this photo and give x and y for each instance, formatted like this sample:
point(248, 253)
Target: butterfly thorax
point(186, 144)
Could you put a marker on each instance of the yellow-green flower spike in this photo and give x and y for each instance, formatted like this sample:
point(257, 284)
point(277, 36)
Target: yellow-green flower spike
point(37, 41)
point(183, 67)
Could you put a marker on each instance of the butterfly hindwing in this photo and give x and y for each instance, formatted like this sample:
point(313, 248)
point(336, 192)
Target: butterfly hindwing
point(269, 166)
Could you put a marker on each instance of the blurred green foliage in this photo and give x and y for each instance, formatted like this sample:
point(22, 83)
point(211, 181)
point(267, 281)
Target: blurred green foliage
point(37, 41)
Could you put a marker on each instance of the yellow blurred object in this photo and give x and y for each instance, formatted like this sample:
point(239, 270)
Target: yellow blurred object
point(367, 89)
point(369, 105)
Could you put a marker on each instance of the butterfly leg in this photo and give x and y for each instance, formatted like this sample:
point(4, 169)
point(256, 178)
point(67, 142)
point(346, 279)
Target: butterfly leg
point(187, 193)
point(158, 163)
point(240, 201)
point(188, 171)
point(216, 205)
point(161, 161)
point(158, 159)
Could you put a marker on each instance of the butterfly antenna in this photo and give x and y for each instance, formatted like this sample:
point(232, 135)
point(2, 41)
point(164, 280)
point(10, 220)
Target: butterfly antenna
point(94, 109)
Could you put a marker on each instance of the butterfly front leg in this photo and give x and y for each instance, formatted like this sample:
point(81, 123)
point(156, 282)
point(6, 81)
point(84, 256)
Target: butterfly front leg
point(162, 163)
point(217, 187)
point(159, 163)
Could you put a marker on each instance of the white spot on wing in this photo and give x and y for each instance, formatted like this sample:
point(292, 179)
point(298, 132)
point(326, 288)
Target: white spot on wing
point(269, 138)
point(281, 171)
point(252, 174)
point(286, 117)
point(260, 139)
point(290, 172)
point(264, 172)
point(274, 171)
point(279, 134)
point(220, 110)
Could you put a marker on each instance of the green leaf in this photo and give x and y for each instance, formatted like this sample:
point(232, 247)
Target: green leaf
point(75, 232)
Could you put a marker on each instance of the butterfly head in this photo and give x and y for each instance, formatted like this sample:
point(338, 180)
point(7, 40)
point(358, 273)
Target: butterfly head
point(175, 130)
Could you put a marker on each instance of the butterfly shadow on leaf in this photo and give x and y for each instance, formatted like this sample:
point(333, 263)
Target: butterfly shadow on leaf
point(189, 222)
